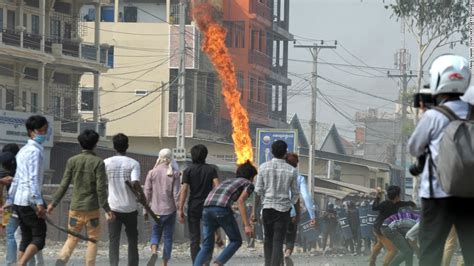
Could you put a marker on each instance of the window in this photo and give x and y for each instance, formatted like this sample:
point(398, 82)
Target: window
point(141, 92)
point(62, 78)
point(34, 102)
point(235, 37)
point(87, 100)
point(31, 73)
point(240, 80)
point(25, 20)
point(110, 57)
point(11, 20)
point(67, 31)
point(130, 14)
point(32, 3)
point(372, 183)
point(10, 100)
point(24, 100)
point(68, 108)
point(57, 106)
point(251, 88)
point(260, 41)
point(6, 70)
point(261, 91)
point(62, 7)
point(35, 27)
point(1, 19)
point(55, 29)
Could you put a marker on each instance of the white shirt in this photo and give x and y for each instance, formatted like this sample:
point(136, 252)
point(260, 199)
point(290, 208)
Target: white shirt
point(28, 180)
point(276, 179)
point(120, 168)
point(429, 131)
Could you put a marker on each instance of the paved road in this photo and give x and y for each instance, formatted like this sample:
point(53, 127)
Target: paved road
point(299, 259)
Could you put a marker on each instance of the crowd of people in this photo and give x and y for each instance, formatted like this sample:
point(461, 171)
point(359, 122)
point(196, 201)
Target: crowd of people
point(198, 196)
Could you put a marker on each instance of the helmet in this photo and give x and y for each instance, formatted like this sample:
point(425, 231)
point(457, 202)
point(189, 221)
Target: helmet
point(449, 74)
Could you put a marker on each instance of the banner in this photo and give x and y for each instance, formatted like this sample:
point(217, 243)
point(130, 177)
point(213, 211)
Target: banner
point(12, 128)
point(266, 137)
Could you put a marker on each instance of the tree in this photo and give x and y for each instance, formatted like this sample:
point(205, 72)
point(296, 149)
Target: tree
point(433, 24)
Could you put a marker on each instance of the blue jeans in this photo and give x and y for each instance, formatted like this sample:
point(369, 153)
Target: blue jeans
point(12, 247)
point(165, 229)
point(213, 218)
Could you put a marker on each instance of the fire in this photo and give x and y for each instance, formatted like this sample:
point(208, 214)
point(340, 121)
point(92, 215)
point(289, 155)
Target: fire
point(214, 46)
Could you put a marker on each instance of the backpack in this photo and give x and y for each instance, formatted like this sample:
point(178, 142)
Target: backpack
point(455, 164)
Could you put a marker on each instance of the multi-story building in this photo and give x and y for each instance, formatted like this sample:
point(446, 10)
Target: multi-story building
point(139, 94)
point(42, 59)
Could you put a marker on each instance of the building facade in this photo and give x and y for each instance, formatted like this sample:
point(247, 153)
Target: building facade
point(42, 59)
point(139, 93)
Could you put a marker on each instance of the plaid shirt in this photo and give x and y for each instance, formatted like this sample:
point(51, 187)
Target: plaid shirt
point(275, 180)
point(228, 192)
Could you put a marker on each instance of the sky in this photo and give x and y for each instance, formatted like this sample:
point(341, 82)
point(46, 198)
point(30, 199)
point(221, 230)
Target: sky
point(364, 29)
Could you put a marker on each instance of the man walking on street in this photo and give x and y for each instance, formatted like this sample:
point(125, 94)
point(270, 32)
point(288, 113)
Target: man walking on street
point(162, 192)
point(276, 180)
point(450, 77)
point(122, 202)
point(25, 190)
point(86, 171)
point(198, 179)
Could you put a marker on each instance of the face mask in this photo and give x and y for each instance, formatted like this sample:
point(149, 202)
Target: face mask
point(40, 138)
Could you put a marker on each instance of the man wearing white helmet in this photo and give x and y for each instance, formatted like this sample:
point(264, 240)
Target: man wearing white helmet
point(449, 79)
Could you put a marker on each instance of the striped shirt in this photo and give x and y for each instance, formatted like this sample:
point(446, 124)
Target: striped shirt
point(228, 192)
point(28, 180)
point(275, 180)
point(401, 220)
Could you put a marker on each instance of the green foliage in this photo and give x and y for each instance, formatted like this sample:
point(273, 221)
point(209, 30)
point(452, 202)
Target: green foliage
point(435, 18)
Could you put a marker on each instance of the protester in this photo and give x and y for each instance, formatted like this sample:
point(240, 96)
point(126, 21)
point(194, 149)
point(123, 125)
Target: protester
point(86, 171)
point(386, 209)
point(25, 193)
point(449, 79)
point(122, 202)
point(329, 229)
point(275, 180)
point(394, 228)
point(198, 180)
point(292, 159)
point(450, 247)
point(218, 213)
point(162, 193)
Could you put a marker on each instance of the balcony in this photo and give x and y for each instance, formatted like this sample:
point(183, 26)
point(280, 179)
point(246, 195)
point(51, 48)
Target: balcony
point(259, 58)
point(263, 12)
point(11, 37)
point(280, 76)
point(32, 41)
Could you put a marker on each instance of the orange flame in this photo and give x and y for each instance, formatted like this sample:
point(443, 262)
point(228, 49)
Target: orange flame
point(214, 46)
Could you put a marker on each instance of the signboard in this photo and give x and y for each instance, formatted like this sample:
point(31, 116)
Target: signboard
point(12, 128)
point(266, 137)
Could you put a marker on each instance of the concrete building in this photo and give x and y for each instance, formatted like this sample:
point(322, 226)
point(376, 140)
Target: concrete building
point(139, 93)
point(42, 59)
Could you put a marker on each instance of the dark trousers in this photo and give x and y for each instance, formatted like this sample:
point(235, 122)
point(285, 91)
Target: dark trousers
point(129, 220)
point(329, 233)
point(194, 225)
point(33, 228)
point(291, 236)
point(438, 216)
point(275, 224)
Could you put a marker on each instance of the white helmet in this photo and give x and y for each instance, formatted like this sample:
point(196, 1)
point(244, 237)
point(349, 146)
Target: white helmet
point(449, 74)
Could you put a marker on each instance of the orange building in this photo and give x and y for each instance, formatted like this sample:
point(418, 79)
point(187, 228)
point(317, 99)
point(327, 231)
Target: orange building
point(258, 41)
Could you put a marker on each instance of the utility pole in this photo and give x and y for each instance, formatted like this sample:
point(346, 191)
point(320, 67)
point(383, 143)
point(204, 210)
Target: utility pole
point(403, 62)
point(314, 49)
point(180, 151)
